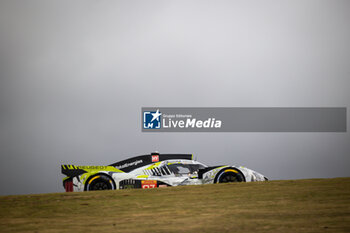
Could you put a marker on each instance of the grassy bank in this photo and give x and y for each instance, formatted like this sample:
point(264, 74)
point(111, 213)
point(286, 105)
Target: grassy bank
point(315, 205)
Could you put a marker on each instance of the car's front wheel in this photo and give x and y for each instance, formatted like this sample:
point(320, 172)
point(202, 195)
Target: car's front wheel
point(230, 175)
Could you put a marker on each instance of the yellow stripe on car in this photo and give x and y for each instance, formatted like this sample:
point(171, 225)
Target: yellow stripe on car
point(153, 166)
point(173, 163)
point(231, 170)
point(93, 179)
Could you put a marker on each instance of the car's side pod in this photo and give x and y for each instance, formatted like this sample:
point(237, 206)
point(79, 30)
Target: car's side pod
point(204, 170)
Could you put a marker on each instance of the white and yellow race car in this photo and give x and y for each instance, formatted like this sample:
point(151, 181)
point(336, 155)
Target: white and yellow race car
point(152, 171)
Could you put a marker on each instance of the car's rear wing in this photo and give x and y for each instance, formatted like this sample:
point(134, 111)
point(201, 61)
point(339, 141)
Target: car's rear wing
point(72, 170)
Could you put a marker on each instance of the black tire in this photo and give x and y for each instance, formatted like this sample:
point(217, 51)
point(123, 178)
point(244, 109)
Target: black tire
point(229, 176)
point(99, 182)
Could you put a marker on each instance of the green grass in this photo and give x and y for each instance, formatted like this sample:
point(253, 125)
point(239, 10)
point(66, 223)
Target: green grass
point(315, 205)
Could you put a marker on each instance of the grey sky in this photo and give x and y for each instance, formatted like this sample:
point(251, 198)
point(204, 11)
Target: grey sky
point(75, 74)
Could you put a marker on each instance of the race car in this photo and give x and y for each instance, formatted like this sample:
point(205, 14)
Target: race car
point(152, 171)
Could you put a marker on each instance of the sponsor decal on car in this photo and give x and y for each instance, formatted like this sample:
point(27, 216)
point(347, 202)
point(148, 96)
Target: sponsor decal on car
point(155, 158)
point(148, 184)
point(129, 164)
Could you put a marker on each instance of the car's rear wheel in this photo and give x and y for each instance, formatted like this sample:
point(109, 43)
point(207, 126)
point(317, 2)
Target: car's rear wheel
point(99, 182)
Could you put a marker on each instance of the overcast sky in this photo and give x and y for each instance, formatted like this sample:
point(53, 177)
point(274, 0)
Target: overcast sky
point(75, 74)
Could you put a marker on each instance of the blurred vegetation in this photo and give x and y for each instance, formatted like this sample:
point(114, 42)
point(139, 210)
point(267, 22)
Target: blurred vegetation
point(314, 205)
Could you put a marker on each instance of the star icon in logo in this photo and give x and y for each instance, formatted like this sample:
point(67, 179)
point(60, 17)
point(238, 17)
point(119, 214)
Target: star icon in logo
point(156, 115)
